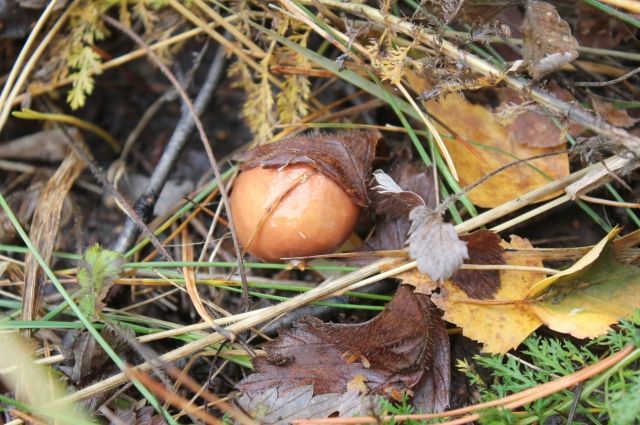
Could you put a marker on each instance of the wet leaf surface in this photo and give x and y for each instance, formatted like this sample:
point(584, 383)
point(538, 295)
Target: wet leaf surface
point(344, 157)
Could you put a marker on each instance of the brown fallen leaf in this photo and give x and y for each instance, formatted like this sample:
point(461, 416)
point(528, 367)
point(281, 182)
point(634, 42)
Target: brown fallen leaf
point(434, 244)
point(547, 40)
point(274, 406)
point(145, 415)
point(431, 394)
point(475, 123)
point(484, 248)
point(393, 201)
point(23, 204)
point(344, 157)
point(528, 124)
point(397, 345)
point(386, 341)
point(617, 117)
point(47, 145)
point(479, 11)
point(84, 359)
point(392, 230)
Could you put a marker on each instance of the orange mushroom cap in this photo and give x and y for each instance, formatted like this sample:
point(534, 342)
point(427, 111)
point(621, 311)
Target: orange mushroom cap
point(292, 211)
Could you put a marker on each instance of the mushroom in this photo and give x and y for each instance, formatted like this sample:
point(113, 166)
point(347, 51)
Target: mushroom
point(291, 211)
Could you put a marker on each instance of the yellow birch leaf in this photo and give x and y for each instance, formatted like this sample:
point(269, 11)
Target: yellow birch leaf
point(592, 255)
point(421, 281)
point(475, 123)
point(499, 326)
point(587, 298)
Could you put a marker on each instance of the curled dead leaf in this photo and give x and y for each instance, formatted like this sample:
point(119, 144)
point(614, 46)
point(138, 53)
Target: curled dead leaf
point(344, 157)
point(434, 244)
point(393, 201)
point(393, 228)
point(547, 40)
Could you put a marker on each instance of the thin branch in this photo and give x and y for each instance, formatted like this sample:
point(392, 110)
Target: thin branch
point(179, 138)
point(83, 153)
point(10, 90)
point(610, 82)
point(205, 141)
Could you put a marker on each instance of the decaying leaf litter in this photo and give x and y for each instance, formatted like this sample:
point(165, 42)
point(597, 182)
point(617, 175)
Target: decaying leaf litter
point(489, 152)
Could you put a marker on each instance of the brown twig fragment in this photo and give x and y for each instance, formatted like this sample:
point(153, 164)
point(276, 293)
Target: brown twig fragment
point(167, 395)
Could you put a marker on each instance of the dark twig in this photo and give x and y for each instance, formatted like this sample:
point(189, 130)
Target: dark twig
point(205, 141)
point(83, 153)
point(608, 83)
point(178, 140)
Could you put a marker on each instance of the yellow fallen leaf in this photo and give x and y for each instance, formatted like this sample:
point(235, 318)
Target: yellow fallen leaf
point(421, 281)
point(588, 297)
point(504, 322)
point(476, 123)
point(359, 382)
point(583, 300)
point(592, 255)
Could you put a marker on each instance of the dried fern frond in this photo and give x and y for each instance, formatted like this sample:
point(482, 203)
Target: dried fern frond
point(293, 99)
point(258, 109)
point(392, 65)
point(86, 63)
point(83, 62)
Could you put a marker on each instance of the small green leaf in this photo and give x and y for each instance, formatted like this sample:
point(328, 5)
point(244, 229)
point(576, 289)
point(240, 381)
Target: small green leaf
point(98, 269)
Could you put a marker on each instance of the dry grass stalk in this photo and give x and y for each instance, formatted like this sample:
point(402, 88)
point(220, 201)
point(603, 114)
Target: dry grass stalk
point(45, 230)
